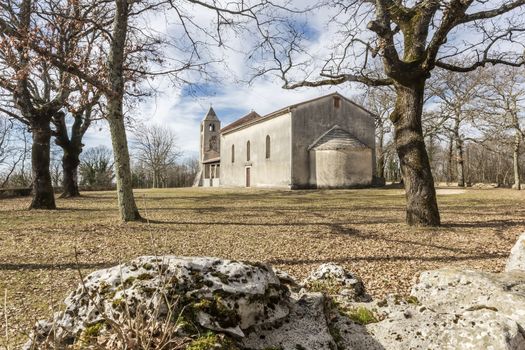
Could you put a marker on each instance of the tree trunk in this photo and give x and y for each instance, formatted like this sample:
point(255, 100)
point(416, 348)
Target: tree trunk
point(43, 195)
point(70, 163)
point(459, 155)
point(126, 201)
point(422, 208)
point(381, 154)
point(516, 165)
point(449, 160)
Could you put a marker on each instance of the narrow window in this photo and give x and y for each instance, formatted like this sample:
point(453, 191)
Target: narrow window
point(233, 153)
point(248, 151)
point(337, 102)
point(267, 146)
point(212, 127)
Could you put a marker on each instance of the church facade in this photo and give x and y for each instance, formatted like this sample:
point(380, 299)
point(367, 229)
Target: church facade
point(327, 142)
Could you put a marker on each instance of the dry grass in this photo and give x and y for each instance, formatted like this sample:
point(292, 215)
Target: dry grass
point(293, 230)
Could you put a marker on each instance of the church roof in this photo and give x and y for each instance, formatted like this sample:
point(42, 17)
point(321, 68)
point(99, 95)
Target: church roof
point(337, 138)
point(241, 121)
point(211, 115)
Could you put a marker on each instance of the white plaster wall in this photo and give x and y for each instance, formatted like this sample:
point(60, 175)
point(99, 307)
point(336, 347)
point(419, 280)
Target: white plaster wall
point(340, 168)
point(312, 119)
point(272, 172)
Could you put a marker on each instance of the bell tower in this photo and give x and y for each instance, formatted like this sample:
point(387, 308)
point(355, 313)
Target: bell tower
point(210, 136)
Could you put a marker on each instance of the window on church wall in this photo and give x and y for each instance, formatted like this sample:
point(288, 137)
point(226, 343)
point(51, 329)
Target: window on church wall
point(248, 151)
point(212, 127)
point(337, 102)
point(233, 153)
point(267, 146)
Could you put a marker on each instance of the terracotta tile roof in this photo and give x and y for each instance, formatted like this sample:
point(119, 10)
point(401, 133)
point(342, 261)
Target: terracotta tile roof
point(241, 121)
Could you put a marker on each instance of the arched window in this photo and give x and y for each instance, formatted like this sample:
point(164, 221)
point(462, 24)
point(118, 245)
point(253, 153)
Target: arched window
point(233, 153)
point(248, 151)
point(267, 146)
point(212, 127)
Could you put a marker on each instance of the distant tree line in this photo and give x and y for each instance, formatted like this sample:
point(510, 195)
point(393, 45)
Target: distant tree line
point(473, 126)
point(156, 162)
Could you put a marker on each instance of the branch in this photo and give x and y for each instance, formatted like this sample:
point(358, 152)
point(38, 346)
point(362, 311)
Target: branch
point(340, 79)
point(492, 13)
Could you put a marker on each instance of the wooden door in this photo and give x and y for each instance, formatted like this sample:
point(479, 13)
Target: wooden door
point(247, 177)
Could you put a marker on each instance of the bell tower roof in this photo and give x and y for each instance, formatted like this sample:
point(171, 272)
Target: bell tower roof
point(211, 115)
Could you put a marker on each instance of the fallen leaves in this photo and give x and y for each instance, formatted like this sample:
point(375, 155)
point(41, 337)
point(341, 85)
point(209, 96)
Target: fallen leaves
point(296, 231)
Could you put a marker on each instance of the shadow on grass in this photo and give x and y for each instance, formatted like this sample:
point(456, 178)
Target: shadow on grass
point(291, 262)
point(63, 266)
point(485, 224)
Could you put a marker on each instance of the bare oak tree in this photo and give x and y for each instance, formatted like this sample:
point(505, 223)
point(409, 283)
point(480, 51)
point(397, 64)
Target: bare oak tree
point(380, 101)
point(156, 149)
point(458, 96)
point(37, 91)
point(130, 53)
point(410, 38)
point(505, 111)
point(96, 168)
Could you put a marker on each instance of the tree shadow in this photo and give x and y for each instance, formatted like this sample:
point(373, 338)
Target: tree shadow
point(292, 262)
point(61, 266)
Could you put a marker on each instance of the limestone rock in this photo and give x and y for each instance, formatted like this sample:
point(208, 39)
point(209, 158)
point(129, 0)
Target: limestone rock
point(480, 329)
point(483, 186)
point(516, 259)
point(223, 295)
point(304, 328)
point(408, 325)
point(336, 281)
point(456, 291)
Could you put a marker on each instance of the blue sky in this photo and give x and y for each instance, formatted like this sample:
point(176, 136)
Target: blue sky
point(181, 108)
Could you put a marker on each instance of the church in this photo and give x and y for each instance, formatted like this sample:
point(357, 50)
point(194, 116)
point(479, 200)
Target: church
point(326, 142)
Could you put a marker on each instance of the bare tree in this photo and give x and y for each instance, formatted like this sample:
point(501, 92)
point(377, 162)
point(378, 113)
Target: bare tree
point(71, 140)
point(5, 139)
point(34, 99)
point(40, 93)
point(156, 148)
point(130, 52)
point(96, 167)
point(505, 111)
point(410, 38)
point(380, 101)
point(458, 97)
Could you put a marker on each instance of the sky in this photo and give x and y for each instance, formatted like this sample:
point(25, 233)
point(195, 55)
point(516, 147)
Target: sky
point(181, 107)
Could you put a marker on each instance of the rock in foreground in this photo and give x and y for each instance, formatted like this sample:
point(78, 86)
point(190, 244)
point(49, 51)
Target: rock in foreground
point(516, 259)
point(207, 303)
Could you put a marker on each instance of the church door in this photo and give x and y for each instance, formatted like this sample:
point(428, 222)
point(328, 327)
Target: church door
point(248, 177)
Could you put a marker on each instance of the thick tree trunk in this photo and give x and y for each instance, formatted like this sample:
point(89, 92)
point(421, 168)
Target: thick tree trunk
point(422, 208)
point(516, 165)
point(70, 163)
point(43, 195)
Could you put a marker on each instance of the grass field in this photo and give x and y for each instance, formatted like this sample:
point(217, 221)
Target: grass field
point(294, 230)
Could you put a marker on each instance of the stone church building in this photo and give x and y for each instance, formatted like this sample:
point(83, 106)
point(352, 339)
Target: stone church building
point(327, 142)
